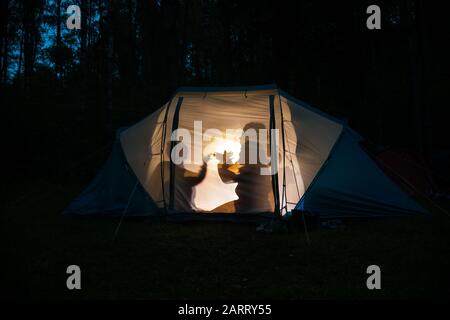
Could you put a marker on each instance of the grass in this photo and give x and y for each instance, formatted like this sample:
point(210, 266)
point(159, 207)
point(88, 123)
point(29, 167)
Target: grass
point(183, 261)
point(158, 260)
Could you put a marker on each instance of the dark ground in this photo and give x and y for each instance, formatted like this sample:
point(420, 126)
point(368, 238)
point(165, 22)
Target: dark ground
point(160, 260)
point(61, 150)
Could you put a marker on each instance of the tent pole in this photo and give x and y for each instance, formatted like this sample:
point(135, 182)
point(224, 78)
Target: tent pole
point(284, 195)
point(308, 240)
point(163, 143)
point(172, 145)
point(126, 209)
point(274, 159)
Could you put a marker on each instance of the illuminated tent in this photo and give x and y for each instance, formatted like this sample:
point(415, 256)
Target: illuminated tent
point(317, 164)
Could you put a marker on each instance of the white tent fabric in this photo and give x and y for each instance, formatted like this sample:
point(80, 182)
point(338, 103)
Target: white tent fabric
point(308, 139)
point(142, 147)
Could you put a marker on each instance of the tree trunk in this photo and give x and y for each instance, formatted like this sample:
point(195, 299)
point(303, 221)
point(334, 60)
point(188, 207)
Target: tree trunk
point(89, 21)
point(36, 33)
point(109, 67)
point(4, 73)
point(132, 47)
point(19, 66)
point(4, 42)
point(416, 69)
point(26, 42)
point(31, 32)
point(422, 35)
point(83, 49)
point(83, 31)
point(58, 40)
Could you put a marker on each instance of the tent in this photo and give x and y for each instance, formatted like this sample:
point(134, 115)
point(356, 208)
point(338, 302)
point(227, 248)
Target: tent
point(192, 159)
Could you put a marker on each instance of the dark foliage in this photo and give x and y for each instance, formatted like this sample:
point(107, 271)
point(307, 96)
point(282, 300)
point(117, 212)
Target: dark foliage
point(64, 92)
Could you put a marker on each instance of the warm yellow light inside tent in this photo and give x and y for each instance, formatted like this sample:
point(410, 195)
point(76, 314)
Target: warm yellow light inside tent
point(219, 145)
point(212, 192)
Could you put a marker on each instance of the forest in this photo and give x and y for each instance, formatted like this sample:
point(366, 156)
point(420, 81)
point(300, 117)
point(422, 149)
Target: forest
point(64, 92)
